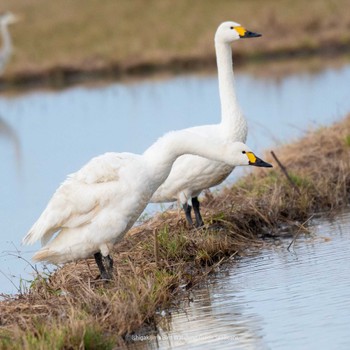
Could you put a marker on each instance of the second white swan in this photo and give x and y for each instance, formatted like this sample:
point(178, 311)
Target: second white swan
point(192, 174)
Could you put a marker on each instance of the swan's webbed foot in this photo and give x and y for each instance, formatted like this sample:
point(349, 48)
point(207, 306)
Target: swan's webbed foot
point(105, 276)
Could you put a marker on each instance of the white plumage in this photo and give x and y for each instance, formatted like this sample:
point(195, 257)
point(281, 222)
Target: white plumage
point(192, 174)
point(96, 206)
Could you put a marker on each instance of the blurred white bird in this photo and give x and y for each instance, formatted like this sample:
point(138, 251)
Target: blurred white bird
point(192, 174)
point(6, 19)
point(94, 208)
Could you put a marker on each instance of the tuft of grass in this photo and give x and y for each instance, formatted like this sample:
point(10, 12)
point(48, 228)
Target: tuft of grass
point(347, 140)
point(59, 336)
point(69, 309)
point(299, 180)
point(171, 245)
point(95, 339)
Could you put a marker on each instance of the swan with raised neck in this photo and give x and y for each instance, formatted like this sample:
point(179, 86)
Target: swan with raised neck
point(190, 174)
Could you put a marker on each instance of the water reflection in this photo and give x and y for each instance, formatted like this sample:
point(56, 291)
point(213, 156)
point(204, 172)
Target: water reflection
point(204, 322)
point(275, 299)
point(7, 132)
point(60, 131)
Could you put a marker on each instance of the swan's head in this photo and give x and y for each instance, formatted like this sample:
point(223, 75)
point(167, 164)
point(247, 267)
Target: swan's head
point(228, 32)
point(8, 18)
point(241, 154)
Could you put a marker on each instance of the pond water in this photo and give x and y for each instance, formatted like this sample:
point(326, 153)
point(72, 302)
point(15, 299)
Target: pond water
point(45, 135)
point(277, 299)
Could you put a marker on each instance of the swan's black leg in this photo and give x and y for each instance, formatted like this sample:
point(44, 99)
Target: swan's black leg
point(103, 273)
point(197, 213)
point(109, 265)
point(188, 209)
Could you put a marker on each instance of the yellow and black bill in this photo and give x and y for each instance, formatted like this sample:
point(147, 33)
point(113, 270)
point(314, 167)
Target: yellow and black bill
point(256, 161)
point(244, 33)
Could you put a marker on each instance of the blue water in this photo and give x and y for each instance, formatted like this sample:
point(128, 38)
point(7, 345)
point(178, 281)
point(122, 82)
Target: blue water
point(45, 135)
point(277, 299)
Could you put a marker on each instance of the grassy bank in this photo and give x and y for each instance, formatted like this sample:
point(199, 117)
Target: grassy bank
point(70, 309)
point(57, 41)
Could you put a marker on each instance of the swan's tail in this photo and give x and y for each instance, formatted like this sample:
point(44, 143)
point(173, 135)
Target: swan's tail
point(43, 229)
point(67, 246)
point(38, 231)
point(48, 255)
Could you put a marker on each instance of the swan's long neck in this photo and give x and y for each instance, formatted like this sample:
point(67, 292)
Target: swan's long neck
point(231, 116)
point(6, 49)
point(162, 154)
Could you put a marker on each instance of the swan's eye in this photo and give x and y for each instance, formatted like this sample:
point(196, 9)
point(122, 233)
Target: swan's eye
point(231, 27)
point(243, 152)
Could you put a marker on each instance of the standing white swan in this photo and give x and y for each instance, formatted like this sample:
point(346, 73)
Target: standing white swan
point(6, 19)
point(94, 208)
point(192, 174)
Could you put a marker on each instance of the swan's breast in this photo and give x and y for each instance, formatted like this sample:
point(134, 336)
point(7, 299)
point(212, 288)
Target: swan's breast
point(191, 174)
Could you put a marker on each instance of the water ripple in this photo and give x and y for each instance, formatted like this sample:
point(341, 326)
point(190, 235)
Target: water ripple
point(276, 300)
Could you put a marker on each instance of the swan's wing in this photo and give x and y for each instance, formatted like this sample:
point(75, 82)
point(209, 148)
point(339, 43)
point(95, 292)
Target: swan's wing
point(78, 200)
point(103, 168)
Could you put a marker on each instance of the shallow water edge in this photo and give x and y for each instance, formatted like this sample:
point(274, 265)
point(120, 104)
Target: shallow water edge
point(271, 298)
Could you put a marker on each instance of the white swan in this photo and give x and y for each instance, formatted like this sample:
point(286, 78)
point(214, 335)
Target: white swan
point(6, 19)
point(97, 205)
point(192, 174)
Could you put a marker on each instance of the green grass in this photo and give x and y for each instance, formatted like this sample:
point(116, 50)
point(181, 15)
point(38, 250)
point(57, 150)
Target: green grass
point(171, 246)
point(300, 180)
point(347, 140)
point(59, 336)
point(97, 340)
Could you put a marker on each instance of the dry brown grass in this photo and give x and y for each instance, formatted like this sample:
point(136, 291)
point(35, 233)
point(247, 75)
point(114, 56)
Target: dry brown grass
point(70, 309)
point(58, 39)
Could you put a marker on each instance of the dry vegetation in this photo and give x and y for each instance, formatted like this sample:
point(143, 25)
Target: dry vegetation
point(70, 309)
point(57, 40)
